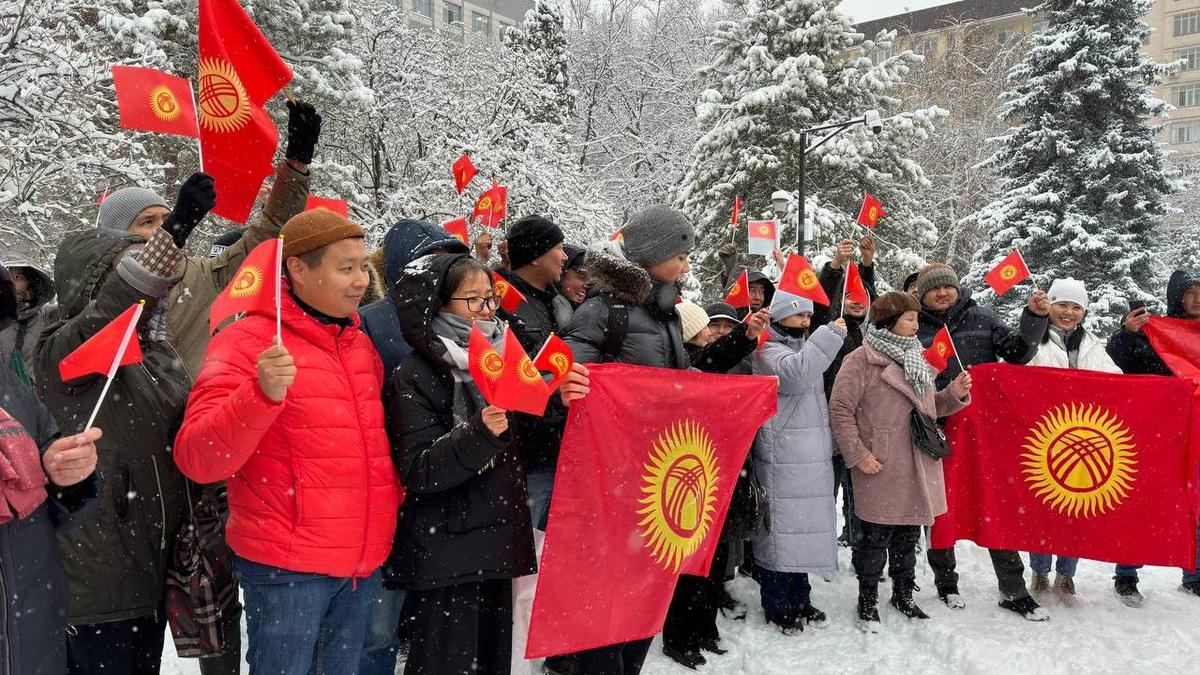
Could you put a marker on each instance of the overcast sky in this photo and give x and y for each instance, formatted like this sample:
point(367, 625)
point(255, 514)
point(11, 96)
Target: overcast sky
point(866, 10)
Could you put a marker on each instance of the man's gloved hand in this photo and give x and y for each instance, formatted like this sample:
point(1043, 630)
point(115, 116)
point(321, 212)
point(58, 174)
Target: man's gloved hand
point(196, 198)
point(304, 128)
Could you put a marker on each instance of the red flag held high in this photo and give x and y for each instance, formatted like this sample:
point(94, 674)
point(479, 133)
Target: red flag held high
point(871, 211)
point(555, 357)
point(1075, 463)
point(457, 228)
point(799, 278)
point(739, 296)
point(492, 206)
point(856, 290)
point(737, 211)
point(484, 363)
point(762, 236)
point(1010, 272)
point(151, 100)
point(239, 73)
point(520, 387)
point(640, 497)
point(252, 288)
point(464, 170)
point(97, 354)
point(941, 351)
point(339, 206)
point(510, 297)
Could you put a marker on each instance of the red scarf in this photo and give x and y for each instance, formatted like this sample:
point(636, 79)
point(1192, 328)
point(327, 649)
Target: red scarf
point(22, 482)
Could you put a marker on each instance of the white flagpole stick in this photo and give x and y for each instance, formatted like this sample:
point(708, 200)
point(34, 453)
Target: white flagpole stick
point(196, 110)
point(278, 288)
point(1031, 279)
point(845, 289)
point(116, 362)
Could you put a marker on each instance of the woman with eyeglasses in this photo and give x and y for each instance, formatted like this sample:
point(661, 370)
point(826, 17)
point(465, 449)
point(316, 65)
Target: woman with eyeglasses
point(464, 531)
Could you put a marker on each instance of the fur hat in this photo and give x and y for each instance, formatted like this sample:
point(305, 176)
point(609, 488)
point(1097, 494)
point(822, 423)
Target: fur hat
point(692, 318)
point(1068, 290)
point(310, 230)
point(888, 308)
point(934, 276)
point(118, 209)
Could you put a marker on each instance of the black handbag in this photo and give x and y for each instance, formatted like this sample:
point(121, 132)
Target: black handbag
point(927, 436)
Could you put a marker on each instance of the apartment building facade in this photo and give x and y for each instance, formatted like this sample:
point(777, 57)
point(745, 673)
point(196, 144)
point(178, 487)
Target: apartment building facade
point(488, 19)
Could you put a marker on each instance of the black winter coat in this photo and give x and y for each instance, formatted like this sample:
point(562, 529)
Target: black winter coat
point(1132, 352)
point(653, 336)
point(466, 514)
point(980, 336)
point(724, 354)
point(34, 617)
point(832, 281)
point(538, 438)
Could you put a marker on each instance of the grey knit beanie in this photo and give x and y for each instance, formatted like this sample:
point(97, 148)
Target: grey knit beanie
point(934, 276)
point(118, 210)
point(655, 234)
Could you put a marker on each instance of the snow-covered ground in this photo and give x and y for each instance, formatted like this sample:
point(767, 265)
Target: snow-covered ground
point(1100, 635)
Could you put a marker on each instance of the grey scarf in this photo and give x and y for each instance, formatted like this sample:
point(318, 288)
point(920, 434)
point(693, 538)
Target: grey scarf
point(455, 334)
point(907, 352)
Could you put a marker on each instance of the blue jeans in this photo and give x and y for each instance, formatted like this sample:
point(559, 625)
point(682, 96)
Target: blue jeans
point(383, 641)
point(304, 623)
point(541, 485)
point(1189, 576)
point(783, 594)
point(1040, 562)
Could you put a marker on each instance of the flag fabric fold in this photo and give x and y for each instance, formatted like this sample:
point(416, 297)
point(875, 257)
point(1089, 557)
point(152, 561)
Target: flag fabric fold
point(510, 297)
point(799, 278)
point(1177, 342)
point(939, 353)
point(520, 387)
point(856, 290)
point(739, 296)
point(737, 211)
point(492, 206)
point(253, 287)
point(464, 172)
point(151, 100)
point(457, 227)
point(1008, 273)
point(98, 354)
point(870, 212)
point(556, 358)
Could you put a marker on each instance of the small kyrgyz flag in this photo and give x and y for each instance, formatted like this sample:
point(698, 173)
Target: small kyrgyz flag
point(799, 278)
point(151, 100)
point(102, 197)
point(492, 206)
point(252, 288)
point(485, 363)
point(113, 346)
point(464, 171)
point(763, 336)
point(520, 387)
point(1177, 342)
point(1010, 272)
point(737, 211)
point(856, 290)
point(939, 353)
point(510, 298)
point(457, 228)
point(338, 206)
point(871, 211)
point(1074, 462)
point(739, 296)
point(640, 498)
point(763, 236)
point(618, 237)
point(239, 73)
point(555, 357)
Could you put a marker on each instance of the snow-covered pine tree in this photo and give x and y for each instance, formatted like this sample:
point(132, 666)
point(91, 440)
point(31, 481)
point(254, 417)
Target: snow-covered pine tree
point(542, 42)
point(783, 65)
point(1083, 177)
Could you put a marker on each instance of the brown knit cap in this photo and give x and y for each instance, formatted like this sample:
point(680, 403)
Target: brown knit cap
point(888, 307)
point(310, 230)
point(935, 275)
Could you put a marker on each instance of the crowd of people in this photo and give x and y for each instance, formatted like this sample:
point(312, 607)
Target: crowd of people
point(344, 470)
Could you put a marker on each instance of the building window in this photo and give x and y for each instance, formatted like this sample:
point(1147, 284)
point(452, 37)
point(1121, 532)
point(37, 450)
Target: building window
point(453, 13)
point(1006, 35)
point(926, 47)
point(881, 54)
point(1191, 58)
point(481, 23)
point(1186, 95)
point(1185, 133)
point(1187, 23)
point(423, 8)
point(1040, 27)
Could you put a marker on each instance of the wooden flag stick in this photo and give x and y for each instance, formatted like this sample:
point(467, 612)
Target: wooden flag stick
point(116, 362)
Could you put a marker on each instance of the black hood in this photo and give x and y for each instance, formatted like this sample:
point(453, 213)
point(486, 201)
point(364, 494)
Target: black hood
point(769, 292)
point(1181, 281)
point(41, 286)
point(408, 240)
point(8, 300)
point(84, 260)
point(415, 296)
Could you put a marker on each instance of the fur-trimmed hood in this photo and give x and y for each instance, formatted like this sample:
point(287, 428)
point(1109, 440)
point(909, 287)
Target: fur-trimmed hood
point(616, 276)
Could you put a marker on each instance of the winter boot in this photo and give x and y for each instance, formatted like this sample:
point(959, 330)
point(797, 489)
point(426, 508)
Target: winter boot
point(1064, 589)
point(1191, 587)
point(1026, 607)
point(950, 596)
point(1127, 592)
point(902, 599)
point(813, 617)
point(867, 619)
point(1041, 584)
point(713, 646)
point(565, 664)
point(687, 657)
point(729, 605)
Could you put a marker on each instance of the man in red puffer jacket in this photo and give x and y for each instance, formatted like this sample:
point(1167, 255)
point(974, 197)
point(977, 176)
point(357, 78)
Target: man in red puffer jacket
point(297, 431)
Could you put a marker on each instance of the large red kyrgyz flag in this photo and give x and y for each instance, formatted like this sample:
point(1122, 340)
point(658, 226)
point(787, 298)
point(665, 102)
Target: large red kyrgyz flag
point(1177, 342)
point(239, 73)
point(640, 495)
point(1076, 463)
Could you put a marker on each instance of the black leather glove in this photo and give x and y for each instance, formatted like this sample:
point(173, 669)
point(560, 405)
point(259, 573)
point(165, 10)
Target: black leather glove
point(196, 198)
point(304, 128)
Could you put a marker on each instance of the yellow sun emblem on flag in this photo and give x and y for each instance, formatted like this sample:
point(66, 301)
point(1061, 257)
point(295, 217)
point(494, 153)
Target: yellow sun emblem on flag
point(224, 105)
point(679, 493)
point(501, 288)
point(248, 282)
point(528, 372)
point(484, 204)
point(764, 230)
point(807, 279)
point(492, 364)
point(560, 363)
point(873, 213)
point(164, 104)
point(1008, 272)
point(942, 349)
point(1079, 460)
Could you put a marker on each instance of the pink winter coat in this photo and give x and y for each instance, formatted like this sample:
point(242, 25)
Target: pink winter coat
point(869, 412)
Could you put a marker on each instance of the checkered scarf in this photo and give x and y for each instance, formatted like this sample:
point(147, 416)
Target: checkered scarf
point(907, 352)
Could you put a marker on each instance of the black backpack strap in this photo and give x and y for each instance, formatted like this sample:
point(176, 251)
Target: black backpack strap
point(618, 330)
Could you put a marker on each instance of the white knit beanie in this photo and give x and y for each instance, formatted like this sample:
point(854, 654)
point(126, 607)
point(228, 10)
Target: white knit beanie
point(1068, 290)
point(692, 318)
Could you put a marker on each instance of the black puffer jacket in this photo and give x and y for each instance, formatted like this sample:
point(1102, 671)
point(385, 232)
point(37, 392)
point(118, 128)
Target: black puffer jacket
point(538, 438)
point(466, 516)
point(33, 618)
point(653, 336)
point(1132, 352)
point(724, 354)
point(116, 561)
point(980, 336)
